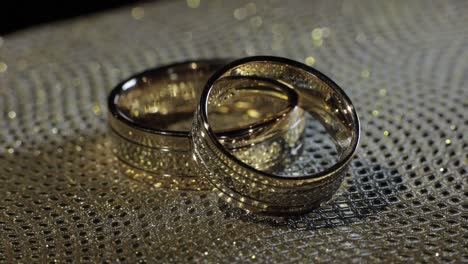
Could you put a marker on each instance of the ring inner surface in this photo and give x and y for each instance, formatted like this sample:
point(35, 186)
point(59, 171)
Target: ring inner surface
point(164, 100)
point(330, 133)
point(272, 135)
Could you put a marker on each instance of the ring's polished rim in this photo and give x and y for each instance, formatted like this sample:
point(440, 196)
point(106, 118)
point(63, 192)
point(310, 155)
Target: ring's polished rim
point(328, 172)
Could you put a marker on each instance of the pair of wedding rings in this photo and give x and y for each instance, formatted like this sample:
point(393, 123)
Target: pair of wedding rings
point(230, 126)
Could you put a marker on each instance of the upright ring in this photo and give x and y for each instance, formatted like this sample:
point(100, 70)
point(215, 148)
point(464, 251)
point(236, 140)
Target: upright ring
point(258, 190)
point(151, 115)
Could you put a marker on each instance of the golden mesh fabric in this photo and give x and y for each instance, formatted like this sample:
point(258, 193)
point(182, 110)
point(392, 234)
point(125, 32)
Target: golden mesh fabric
point(403, 63)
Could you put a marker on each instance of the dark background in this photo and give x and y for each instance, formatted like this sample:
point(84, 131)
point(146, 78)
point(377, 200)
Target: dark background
point(21, 14)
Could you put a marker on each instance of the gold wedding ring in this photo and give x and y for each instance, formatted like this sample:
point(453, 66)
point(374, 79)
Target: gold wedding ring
point(151, 115)
point(256, 189)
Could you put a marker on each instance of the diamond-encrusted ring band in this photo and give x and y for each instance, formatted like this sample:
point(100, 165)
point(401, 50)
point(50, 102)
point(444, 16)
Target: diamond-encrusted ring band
point(258, 190)
point(150, 115)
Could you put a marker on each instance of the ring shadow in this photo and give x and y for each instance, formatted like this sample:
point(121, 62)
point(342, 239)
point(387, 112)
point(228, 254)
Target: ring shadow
point(367, 189)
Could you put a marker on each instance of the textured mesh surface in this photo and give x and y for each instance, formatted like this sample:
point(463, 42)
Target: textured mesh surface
point(403, 63)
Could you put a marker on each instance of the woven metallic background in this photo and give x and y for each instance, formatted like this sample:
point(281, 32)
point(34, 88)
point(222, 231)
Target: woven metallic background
point(403, 63)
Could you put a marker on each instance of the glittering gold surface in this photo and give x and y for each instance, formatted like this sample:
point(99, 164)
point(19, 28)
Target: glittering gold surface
point(403, 63)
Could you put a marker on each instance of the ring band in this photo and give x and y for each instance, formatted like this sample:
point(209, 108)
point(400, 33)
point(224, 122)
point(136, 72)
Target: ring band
point(256, 190)
point(151, 114)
